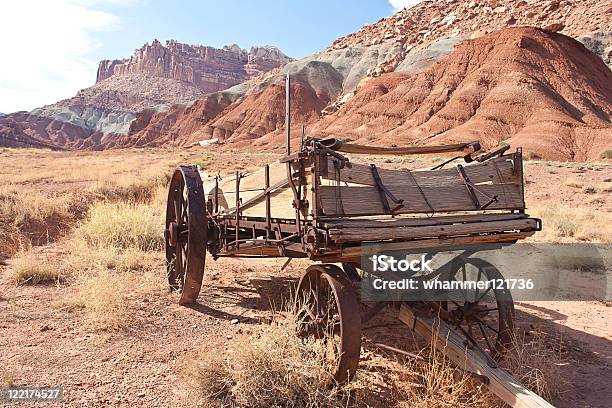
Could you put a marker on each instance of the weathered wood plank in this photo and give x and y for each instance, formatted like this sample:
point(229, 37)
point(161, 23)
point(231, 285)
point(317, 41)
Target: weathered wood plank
point(340, 223)
point(502, 384)
point(251, 188)
point(366, 200)
point(355, 253)
point(499, 170)
point(434, 231)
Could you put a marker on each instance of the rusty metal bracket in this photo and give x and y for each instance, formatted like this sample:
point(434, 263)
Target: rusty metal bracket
point(468, 185)
point(384, 193)
point(472, 193)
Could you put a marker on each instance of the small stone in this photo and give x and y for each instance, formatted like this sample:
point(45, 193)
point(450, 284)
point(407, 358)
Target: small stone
point(234, 321)
point(555, 27)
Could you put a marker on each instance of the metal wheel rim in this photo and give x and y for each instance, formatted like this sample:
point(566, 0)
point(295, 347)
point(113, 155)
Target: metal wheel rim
point(186, 234)
point(348, 322)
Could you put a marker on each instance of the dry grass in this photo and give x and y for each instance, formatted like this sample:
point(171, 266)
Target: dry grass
point(434, 382)
point(122, 225)
point(535, 362)
point(278, 369)
point(130, 190)
point(102, 295)
point(275, 369)
point(561, 224)
point(6, 379)
point(32, 217)
point(34, 270)
point(114, 256)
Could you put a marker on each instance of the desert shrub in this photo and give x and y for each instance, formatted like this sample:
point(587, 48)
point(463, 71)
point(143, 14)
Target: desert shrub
point(276, 369)
point(83, 258)
point(29, 269)
point(131, 190)
point(122, 225)
point(11, 240)
point(533, 156)
point(30, 216)
point(535, 362)
point(102, 295)
point(607, 154)
point(562, 223)
point(436, 383)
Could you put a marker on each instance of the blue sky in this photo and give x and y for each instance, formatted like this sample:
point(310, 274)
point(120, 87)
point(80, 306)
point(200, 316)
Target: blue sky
point(55, 45)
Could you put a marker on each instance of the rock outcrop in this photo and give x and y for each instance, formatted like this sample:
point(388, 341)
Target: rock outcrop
point(154, 79)
point(357, 86)
point(207, 68)
point(409, 43)
point(521, 86)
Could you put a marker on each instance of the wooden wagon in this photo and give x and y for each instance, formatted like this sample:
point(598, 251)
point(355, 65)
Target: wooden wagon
point(317, 203)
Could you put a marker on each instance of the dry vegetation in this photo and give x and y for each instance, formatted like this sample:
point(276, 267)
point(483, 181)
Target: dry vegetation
point(535, 361)
point(33, 270)
point(566, 224)
point(109, 220)
point(279, 369)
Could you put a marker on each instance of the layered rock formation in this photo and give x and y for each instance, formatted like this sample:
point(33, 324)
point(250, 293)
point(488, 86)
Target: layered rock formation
point(207, 68)
point(409, 43)
point(358, 86)
point(521, 86)
point(155, 78)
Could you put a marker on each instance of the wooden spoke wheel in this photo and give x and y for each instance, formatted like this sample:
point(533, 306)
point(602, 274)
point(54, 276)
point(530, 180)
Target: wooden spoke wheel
point(327, 308)
point(186, 233)
point(485, 317)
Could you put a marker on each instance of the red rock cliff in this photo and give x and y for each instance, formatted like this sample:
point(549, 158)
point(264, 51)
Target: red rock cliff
point(208, 68)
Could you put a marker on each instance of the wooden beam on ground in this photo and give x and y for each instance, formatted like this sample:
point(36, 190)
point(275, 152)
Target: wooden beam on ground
point(453, 346)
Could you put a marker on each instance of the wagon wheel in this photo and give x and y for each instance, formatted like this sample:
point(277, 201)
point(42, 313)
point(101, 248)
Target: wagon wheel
point(327, 308)
point(485, 317)
point(350, 270)
point(186, 233)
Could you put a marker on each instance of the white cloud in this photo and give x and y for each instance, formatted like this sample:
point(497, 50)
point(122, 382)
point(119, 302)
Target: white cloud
point(400, 4)
point(45, 48)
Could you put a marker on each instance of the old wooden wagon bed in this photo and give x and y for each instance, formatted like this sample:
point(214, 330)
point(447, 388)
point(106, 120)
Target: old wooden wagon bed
point(319, 203)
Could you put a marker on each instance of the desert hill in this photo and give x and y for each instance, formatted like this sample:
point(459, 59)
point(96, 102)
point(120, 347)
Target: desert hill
point(409, 43)
point(330, 86)
point(156, 77)
point(522, 86)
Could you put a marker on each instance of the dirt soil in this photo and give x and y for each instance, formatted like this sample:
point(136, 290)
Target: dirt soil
point(44, 341)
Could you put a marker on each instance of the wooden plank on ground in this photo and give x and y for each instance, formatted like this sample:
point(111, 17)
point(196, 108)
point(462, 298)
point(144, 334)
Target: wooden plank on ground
point(452, 345)
point(432, 231)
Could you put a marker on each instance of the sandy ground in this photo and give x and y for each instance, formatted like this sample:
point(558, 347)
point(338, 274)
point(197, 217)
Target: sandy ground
point(46, 342)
